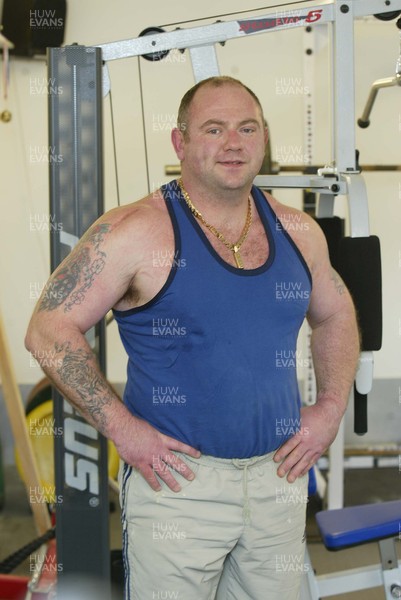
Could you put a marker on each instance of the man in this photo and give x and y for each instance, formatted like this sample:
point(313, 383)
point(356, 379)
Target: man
point(215, 447)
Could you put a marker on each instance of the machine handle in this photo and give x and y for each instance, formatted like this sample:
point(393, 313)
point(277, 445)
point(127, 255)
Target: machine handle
point(360, 412)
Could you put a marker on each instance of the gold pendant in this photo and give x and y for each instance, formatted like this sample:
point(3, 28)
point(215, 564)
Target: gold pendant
point(238, 258)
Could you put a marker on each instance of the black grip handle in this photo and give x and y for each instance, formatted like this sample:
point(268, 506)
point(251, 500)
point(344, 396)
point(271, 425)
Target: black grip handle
point(363, 124)
point(360, 412)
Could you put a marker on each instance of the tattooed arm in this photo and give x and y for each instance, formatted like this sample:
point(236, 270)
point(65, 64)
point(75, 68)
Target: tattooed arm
point(76, 297)
point(335, 352)
point(76, 275)
point(93, 278)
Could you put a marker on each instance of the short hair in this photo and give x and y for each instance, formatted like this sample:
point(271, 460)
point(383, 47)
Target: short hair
point(216, 81)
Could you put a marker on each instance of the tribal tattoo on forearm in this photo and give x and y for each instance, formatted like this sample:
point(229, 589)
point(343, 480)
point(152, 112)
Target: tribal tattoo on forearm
point(78, 272)
point(78, 372)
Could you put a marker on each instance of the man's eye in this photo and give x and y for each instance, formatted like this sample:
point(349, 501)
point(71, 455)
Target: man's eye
point(247, 129)
point(214, 130)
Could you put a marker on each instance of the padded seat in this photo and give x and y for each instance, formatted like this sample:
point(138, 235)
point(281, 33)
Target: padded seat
point(345, 527)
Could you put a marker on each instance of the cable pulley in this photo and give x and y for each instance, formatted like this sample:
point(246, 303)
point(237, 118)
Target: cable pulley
point(388, 16)
point(158, 55)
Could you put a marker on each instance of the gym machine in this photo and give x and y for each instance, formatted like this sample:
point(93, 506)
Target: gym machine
point(76, 200)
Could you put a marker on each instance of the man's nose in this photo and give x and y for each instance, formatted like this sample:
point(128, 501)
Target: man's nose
point(232, 140)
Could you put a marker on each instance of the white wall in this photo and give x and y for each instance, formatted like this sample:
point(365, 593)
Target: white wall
point(261, 62)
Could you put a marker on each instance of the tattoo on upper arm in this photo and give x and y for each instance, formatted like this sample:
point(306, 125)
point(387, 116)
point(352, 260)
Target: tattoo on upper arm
point(338, 282)
point(77, 273)
point(79, 372)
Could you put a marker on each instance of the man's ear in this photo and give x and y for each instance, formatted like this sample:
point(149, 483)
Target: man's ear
point(177, 140)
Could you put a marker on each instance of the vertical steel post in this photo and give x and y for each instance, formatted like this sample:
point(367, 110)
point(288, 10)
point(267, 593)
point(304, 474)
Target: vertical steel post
point(344, 84)
point(76, 200)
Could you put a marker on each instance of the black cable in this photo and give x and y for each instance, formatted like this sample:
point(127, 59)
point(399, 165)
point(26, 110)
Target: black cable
point(240, 12)
point(143, 124)
point(114, 148)
point(11, 562)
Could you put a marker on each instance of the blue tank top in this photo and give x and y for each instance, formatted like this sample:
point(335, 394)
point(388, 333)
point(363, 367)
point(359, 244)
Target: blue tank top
point(212, 357)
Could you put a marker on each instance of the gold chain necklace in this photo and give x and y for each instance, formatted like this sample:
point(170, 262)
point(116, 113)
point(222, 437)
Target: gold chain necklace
point(233, 247)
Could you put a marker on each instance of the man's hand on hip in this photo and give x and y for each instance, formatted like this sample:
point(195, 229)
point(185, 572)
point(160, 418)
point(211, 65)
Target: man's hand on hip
point(151, 453)
point(319, 426)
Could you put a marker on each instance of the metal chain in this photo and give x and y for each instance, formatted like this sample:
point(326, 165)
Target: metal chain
point(234, 247)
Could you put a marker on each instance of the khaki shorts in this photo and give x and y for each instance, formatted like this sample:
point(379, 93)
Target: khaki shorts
point(236, 532)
